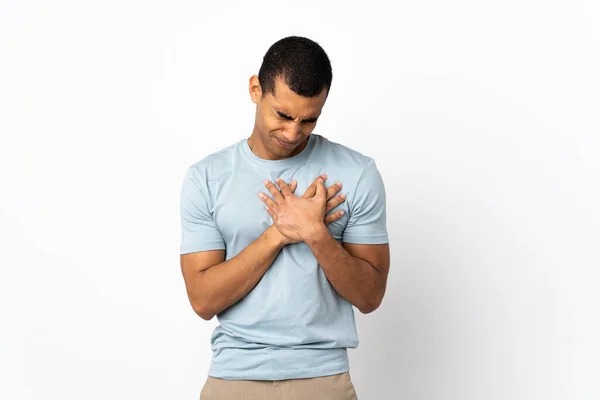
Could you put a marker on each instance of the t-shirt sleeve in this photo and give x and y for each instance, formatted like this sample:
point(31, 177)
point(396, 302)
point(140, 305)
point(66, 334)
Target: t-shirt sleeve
point(198, 229)
point(367, 213)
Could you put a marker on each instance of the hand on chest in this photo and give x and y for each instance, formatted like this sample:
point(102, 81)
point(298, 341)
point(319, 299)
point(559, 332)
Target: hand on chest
point(240, 214)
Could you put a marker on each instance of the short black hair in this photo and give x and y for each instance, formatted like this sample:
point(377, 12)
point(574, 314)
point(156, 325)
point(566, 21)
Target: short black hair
point(301, 62)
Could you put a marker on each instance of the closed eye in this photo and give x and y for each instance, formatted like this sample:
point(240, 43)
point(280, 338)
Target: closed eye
point(306, 121)
point(282, 115)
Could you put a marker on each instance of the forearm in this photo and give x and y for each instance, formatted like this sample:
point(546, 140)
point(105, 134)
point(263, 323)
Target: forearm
point(224, 284)
point(353, 278)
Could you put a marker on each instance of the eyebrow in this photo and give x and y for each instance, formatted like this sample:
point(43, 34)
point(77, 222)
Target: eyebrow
point(284, 115)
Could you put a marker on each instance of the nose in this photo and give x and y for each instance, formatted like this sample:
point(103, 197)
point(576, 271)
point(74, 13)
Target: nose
point(292, 132)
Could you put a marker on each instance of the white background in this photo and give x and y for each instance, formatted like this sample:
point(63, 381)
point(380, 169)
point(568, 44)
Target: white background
point(483, 120)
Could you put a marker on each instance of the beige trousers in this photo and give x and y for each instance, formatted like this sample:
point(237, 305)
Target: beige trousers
point(331, 387)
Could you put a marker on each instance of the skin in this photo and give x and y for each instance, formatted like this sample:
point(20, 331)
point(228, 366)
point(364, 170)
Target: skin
point(213, 284)
point(357, 272)
point(284, 116)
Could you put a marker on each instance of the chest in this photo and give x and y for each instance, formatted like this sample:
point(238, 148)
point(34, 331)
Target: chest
point(240, 214)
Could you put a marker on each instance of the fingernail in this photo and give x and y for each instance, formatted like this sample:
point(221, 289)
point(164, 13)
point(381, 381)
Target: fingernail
point(324, 176)
point(266, 182)
point(341, 213)
point(343, 195)
point(294, 182)
point(339, 184)
point(261, 195)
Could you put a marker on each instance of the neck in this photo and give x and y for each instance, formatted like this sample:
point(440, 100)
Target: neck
point(258, 148)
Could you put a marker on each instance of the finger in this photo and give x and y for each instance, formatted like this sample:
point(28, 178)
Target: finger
point(274, 191)
point(312, 189)
point(333, 217)
point(285, 189)
point(336, 201)
point(268, 201)
point(321, 191)
point(333, 190)
point(293, 185)
point(270, 212)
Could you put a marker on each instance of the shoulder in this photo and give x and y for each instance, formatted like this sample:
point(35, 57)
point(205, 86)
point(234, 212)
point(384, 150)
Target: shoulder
point(215, 165)
point(344, 156)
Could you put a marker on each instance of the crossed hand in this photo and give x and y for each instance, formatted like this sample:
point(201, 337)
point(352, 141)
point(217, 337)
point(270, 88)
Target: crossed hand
point(297, 218)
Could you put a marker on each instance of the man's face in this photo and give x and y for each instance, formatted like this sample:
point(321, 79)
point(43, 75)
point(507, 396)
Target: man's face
point(284, 121)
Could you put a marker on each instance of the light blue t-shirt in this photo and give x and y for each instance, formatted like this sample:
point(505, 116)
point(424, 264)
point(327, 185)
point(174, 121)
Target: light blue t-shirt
point(293, 324)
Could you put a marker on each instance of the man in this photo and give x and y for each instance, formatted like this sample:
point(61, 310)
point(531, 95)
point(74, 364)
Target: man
point(282, 271)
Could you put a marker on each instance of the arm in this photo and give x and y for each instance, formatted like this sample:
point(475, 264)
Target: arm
point(358, 269)
point(358, 272)
point(213, 284)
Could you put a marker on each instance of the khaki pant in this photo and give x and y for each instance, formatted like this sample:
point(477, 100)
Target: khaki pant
point(331, 387)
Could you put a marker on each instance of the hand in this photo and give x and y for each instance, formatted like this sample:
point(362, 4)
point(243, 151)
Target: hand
point(295, 217)
point(332, 202)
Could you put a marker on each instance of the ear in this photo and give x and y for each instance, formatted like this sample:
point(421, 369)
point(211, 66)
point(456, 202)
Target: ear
point(255, 89)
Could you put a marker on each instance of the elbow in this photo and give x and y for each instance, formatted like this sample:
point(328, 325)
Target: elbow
point(203, 311)
point(370, 305)
point(206, 316)
point(366, 309)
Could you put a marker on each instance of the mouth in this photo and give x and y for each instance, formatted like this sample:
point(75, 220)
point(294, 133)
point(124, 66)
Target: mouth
point(286, 144)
